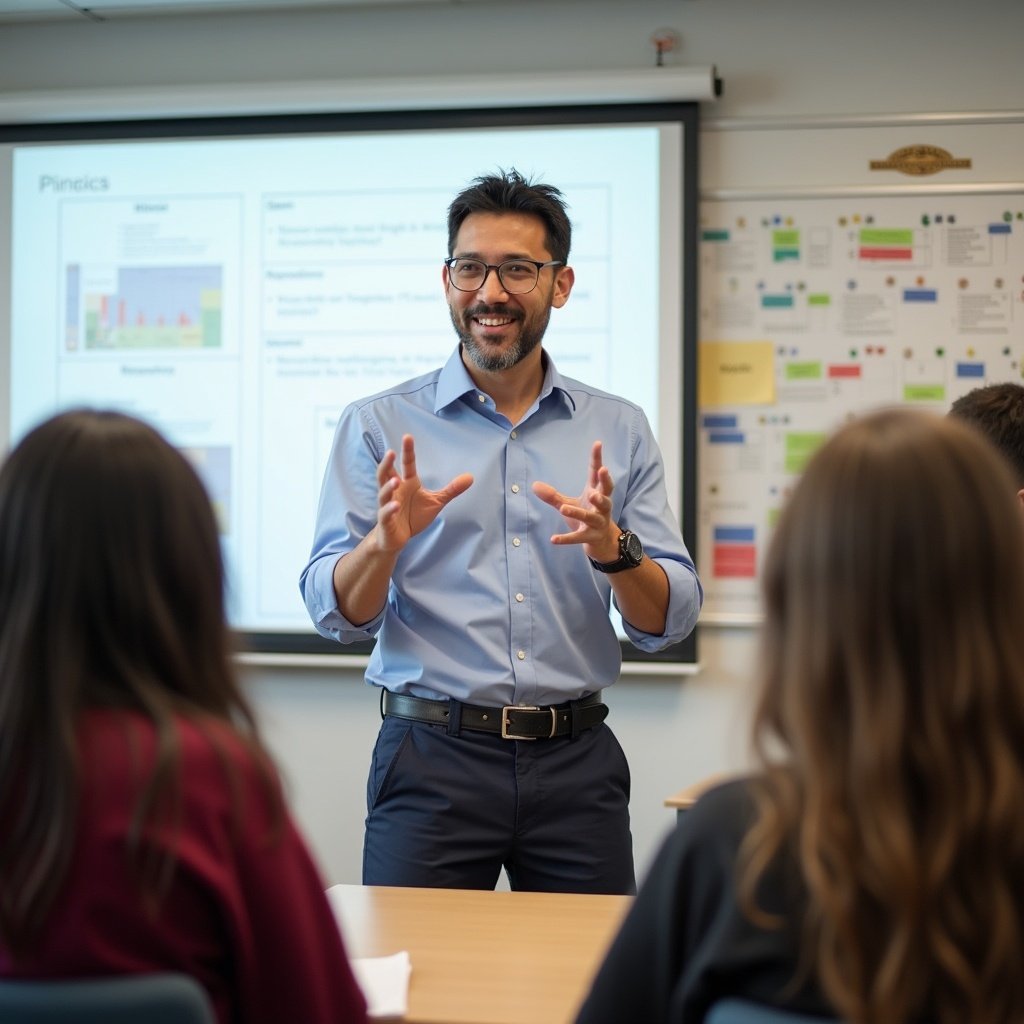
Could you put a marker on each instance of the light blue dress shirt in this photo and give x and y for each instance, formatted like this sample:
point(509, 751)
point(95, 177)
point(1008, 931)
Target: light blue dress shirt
point(482, 606)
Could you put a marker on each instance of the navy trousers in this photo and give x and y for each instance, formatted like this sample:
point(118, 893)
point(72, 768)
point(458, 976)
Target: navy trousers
point(448, 811)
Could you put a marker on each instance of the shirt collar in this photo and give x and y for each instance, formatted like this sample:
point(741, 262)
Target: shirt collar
point(454, 382)
point(555, 382)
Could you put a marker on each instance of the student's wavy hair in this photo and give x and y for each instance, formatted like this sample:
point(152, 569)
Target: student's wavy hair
point(111, 595)
point(891, 722)
point(997, 410)
point(509, 192)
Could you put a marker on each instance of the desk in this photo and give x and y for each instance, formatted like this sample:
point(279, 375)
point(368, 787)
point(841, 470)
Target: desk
point(685, 798)
point(481, 957)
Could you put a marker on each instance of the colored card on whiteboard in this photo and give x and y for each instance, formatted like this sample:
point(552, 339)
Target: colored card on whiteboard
point(736, 373)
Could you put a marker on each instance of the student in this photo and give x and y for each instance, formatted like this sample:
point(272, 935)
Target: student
point(997, 410)
point(483, 557)
point(143, 825)
point(874, 869)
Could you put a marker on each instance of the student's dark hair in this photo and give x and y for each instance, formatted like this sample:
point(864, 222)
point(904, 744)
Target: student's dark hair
point(890, 722)
point(111, 596)
point(998, 411)
point(509, 192)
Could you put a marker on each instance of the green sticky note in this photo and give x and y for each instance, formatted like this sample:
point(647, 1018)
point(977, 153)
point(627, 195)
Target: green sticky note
point(924, 393)
point(803, 371)
point(887, 236)
point(800, 446)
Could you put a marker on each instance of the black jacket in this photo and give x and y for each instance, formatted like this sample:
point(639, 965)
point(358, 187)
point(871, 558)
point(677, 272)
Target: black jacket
point(686, 943)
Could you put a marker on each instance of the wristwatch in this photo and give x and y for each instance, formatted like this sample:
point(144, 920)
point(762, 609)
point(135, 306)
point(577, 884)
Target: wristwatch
point(631, 554)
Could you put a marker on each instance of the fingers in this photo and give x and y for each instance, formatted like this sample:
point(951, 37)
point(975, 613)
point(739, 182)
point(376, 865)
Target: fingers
point(386, 468)
point(388, 512)
point(408, 457)
point(458, 486)
point(597, 497)
point(602, 475)
point(596, 460)
point(549, 495)
point(388, 482)
point(594, 512)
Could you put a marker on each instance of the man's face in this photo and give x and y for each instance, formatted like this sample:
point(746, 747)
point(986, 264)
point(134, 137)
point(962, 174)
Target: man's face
point(498, 329)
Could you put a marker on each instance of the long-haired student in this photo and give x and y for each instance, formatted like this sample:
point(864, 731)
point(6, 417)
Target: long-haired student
point(142, 824)
point(873, 869)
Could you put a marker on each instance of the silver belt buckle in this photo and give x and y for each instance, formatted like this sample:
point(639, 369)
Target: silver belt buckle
point(506, 735)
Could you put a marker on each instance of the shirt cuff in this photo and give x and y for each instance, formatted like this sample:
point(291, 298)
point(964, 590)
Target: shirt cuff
point(326, 615)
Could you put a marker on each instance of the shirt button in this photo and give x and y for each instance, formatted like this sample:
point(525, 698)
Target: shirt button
point(515, 488)
point(516, 542)
point(481, 398)
point(513, 435)
point(520, 598)
point(521, 655)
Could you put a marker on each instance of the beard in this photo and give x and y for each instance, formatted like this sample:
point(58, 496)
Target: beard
point(531, 332)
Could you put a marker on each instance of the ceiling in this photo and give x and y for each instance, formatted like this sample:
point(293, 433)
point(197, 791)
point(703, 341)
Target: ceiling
point(104, 10)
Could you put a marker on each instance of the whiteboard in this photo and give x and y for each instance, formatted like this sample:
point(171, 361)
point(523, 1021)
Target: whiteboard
point(823, 299)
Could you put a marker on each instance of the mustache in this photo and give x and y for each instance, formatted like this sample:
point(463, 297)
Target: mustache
point(484, 310)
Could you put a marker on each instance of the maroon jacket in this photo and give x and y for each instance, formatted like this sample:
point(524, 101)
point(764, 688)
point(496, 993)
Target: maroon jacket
point(244, 914)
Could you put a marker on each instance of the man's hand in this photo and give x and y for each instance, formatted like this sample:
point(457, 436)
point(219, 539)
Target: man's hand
point(406, 508)
point(590, 515)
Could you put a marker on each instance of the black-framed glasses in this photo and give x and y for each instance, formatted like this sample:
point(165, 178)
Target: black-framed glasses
point(517, 277)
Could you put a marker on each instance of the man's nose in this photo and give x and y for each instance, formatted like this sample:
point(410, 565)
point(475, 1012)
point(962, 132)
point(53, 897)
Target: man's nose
point(491, 286)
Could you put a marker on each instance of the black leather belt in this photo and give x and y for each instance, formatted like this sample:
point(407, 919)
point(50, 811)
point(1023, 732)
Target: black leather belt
point(511, 722)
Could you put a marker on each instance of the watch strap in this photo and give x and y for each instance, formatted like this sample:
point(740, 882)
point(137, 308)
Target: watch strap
point(625, 560)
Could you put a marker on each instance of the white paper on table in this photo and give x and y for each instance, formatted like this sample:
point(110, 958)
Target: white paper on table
point(385, 983)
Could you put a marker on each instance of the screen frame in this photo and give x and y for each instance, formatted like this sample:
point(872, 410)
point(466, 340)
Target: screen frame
point(303, 645)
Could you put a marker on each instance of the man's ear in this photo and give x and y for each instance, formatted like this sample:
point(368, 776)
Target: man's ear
point(1020, 495)
point(564, 280)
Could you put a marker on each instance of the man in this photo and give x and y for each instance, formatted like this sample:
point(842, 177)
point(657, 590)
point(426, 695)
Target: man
point(997, 410)
point(483, 561)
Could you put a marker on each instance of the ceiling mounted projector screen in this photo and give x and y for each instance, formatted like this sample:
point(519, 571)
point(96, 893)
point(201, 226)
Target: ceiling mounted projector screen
point(237, 282)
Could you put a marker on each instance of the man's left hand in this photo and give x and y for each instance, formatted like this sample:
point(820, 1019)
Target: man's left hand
point(589, 516)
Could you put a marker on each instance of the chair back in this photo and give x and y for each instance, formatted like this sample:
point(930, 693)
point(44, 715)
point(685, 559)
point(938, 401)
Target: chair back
point(743, 1011)
point(124, 999)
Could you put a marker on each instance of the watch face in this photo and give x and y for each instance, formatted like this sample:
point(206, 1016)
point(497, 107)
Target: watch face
point(632, 548)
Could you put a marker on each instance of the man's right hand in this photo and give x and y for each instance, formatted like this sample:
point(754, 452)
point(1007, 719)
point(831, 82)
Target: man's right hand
point(406, 508)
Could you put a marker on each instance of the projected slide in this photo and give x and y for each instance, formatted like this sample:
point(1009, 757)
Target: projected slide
point(239, 292)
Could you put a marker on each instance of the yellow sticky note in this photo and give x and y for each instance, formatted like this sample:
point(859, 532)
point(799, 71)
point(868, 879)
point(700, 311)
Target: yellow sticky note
point(736, 373)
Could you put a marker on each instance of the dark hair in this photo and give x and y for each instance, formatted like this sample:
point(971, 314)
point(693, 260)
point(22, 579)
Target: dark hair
point(891, 721)
point(998, 411)
point(111, 595)
point(509, 192)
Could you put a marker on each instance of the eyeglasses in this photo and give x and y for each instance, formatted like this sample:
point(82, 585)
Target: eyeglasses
point(517, 277)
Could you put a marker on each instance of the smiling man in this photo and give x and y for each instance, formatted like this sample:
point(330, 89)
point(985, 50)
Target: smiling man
point(485, 565)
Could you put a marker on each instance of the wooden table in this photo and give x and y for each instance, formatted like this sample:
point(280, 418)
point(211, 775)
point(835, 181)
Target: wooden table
point(686, 797)
point(481, 957)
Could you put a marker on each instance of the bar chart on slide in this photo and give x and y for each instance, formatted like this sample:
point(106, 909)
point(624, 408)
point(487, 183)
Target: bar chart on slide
point(145, 307)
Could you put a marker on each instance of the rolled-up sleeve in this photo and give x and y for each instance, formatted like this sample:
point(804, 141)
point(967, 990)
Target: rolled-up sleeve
point(647, 513)
point(347, 512)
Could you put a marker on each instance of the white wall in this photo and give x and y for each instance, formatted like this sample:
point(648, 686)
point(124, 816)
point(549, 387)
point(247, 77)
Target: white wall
point(780, 59)
point(777, 57)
